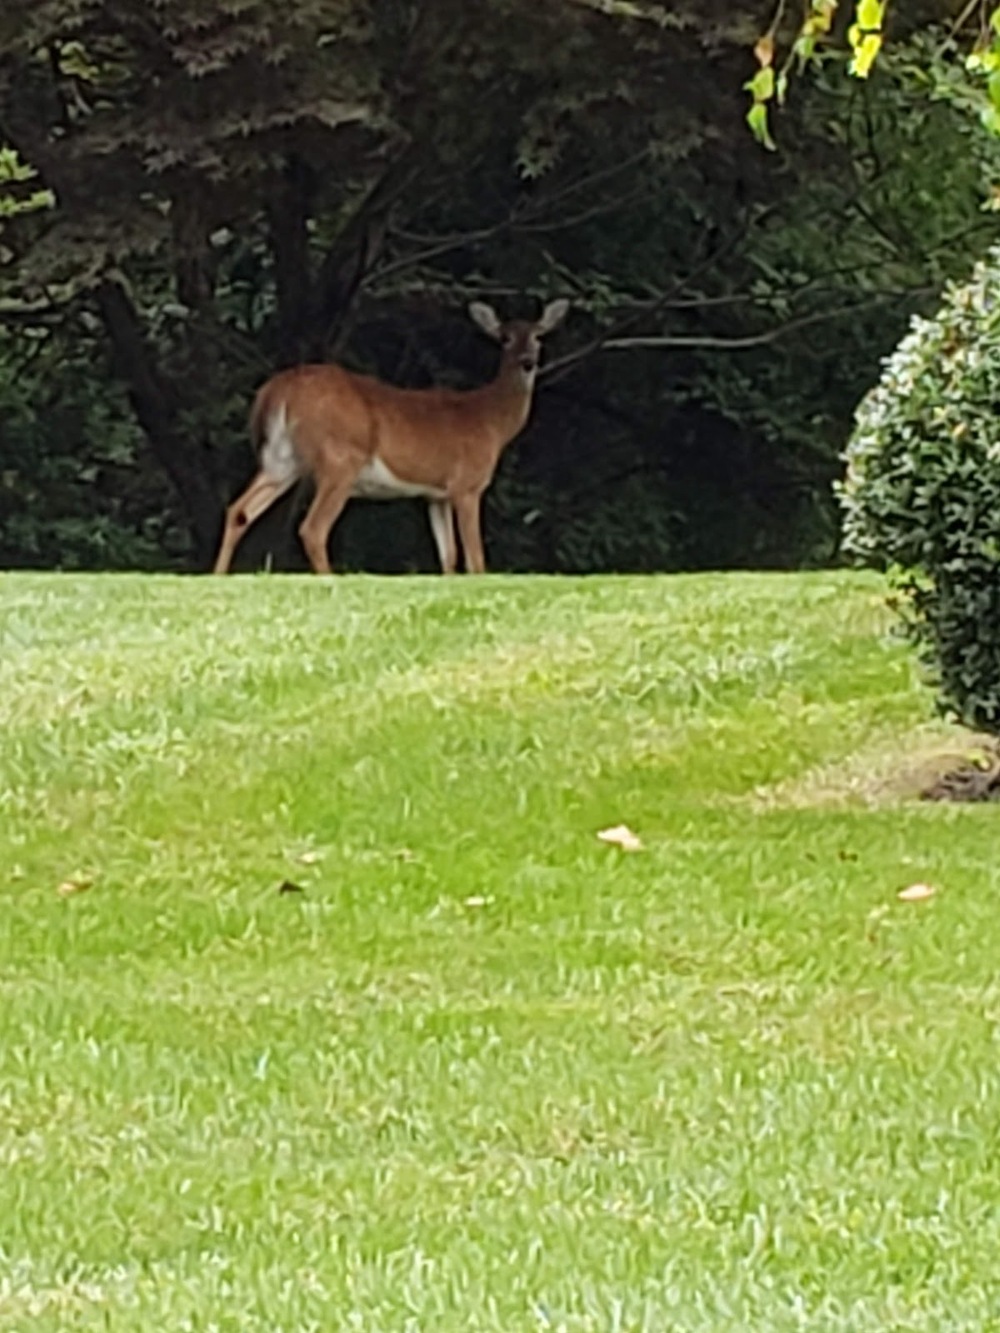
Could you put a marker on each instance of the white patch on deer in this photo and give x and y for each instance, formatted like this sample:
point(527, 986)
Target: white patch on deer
point(376, 482)
point(277, 454)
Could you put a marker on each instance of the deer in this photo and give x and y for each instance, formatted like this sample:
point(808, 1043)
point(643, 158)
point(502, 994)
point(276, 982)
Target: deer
point(355, 435)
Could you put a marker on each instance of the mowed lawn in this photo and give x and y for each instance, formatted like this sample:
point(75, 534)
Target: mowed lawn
point(485, 1072)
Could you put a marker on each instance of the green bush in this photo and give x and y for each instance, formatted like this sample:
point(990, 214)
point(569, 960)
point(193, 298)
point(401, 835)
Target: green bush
point(922, 490)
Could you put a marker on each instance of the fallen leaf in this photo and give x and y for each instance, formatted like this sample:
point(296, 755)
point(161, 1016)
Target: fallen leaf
point(79, 884)
point(477, 901)
point(621, 836)
point(287, 886)
point(916, 893)
point(308, 858)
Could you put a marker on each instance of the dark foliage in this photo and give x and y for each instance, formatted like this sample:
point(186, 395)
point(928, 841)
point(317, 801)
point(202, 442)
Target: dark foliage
point(244, 186)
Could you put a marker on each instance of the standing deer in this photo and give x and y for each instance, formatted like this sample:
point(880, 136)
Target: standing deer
point(355, 436)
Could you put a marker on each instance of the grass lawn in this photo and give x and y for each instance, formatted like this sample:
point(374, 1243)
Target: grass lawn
point(486, 1072)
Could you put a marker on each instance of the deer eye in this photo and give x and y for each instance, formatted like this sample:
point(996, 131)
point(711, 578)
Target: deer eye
point(507, 340)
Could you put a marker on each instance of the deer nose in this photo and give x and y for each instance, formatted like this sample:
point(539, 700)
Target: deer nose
point(529, 363)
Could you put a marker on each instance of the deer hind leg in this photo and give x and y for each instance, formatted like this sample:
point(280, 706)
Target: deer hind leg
point(326, 507)
point(443, 528)
point(258, 497)
point(467, 512)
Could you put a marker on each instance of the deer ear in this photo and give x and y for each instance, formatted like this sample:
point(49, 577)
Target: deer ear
point(552, 315)
point(486, 318)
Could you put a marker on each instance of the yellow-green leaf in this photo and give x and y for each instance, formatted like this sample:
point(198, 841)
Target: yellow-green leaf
point(757, 120)
point(865, 54)
point(762, 85)
point(870, 14)
point(821, 17)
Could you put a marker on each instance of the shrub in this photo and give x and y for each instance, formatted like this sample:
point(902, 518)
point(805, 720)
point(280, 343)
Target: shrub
point(922, 490)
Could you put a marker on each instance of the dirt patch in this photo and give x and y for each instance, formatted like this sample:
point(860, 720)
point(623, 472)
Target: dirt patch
point(935, 761)
point(975, 778)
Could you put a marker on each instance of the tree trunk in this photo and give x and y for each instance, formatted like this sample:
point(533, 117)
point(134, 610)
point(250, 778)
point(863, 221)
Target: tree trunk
point(354, 253)
point(288, 216)
point(157, 406)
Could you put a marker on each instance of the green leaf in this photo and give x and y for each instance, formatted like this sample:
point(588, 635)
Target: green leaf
point(757, 120)
point(762, 85)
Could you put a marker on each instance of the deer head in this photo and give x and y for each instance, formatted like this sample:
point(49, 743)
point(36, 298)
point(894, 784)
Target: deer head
point(520, 339)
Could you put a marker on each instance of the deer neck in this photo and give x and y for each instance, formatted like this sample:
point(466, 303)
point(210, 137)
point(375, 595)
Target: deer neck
point(509, 396)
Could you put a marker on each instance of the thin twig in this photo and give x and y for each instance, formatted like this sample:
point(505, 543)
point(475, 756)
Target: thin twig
point(556, 369)
point(443, 247)
point(760, 339)
point(524, 220)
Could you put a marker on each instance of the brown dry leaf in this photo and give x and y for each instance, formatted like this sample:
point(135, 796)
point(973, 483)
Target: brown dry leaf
point(287, 886)
point(916, 893)
point(764, 51)
point(621, 836)
point(78, 884)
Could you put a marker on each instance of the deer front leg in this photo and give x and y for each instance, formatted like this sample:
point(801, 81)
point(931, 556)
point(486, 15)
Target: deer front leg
point(467, 513)
point(443, 528)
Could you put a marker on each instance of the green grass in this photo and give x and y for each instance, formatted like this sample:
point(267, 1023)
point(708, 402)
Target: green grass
point(486, 1073)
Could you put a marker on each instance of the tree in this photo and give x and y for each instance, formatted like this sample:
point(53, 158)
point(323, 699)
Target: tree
point(192, 157)
point(238, 191)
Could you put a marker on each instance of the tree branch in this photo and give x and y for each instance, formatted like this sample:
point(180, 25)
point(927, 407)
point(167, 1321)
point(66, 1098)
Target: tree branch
point(768, 335)
point(444, 246)
point(525, 219)
point(555, 370)
point(546, 202)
